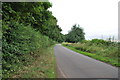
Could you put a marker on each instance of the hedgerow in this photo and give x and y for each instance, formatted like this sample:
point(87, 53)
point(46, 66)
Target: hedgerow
point(27, 27)
point(19, 40)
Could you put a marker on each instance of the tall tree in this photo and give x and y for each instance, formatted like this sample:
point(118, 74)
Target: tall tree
point(35, 14)
point(76, 34)
point(26, 27)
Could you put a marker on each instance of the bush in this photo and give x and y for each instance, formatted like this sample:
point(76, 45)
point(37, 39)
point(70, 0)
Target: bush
point(19, 40)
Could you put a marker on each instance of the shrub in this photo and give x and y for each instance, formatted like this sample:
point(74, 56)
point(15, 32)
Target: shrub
point(19, 40)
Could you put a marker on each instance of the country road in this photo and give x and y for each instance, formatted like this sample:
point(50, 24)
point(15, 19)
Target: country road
point(74, 65)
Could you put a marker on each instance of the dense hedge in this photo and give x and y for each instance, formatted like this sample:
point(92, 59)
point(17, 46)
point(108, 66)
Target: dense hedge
point(18, 41)
point(27, 27)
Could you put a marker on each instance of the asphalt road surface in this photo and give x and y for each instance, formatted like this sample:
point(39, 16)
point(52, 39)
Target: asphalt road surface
point(71, 64)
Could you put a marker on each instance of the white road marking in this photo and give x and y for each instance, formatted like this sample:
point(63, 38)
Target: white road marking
point(62, 72)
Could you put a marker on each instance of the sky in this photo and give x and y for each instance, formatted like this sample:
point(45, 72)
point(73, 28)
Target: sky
point(98, 18)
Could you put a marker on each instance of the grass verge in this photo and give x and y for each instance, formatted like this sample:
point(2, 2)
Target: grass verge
point(111, 61)
point(43, 66)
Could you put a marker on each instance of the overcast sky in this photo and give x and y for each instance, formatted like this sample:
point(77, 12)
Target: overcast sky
point(99, 18)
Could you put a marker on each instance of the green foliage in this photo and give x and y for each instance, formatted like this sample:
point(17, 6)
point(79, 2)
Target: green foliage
point(100, 41)
point(75, 35)
point(43, 66)
point(27, 27)
point(18, 41)
point(106, 54)
point(98, 47)
point(35, 14)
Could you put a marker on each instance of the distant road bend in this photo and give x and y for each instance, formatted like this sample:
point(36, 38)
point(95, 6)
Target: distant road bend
point(74, 65)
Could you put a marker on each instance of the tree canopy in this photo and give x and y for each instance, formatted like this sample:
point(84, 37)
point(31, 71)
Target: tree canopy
point(35, 14)
point(76, 34)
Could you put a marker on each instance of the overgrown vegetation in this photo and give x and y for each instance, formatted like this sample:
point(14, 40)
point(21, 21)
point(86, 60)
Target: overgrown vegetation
point(42, 66)
point(27, 27)
point(99, 49)
point(0, 52)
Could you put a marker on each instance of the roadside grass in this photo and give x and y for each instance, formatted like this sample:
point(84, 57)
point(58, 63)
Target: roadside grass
point(43, 66)
point(0, 64)
point(112, 61)
point(0, 71)
point(0, 53)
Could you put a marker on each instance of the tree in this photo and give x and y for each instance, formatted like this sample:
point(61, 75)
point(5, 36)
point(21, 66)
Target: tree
point(35, 14)
point(76, 34)
point(26, 28)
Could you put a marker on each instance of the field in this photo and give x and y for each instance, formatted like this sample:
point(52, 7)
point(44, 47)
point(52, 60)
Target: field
point(105, 51)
